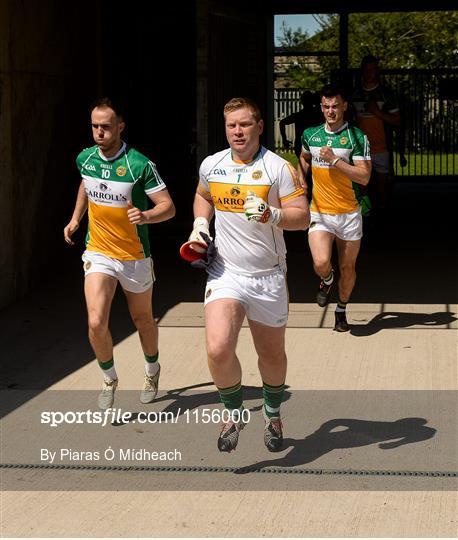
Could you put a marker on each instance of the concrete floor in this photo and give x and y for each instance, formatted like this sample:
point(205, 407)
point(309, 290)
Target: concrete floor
point(392, 378)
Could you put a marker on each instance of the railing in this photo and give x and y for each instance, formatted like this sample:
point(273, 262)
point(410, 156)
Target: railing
point(428, 102)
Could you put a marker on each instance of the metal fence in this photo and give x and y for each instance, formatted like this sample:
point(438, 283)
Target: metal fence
point(428, 102)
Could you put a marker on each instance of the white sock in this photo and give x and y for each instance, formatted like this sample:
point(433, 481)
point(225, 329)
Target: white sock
point(328, 280)
point(109, 374)
point(151, 368)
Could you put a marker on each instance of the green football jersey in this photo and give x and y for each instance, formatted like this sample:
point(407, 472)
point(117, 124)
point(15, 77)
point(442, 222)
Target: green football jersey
point(109, 184)
point(333, 191)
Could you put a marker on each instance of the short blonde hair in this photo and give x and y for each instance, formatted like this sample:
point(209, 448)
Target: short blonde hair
point(241, 103)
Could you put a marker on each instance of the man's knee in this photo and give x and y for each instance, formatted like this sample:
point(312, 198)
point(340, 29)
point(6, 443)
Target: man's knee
point(347, 270)
point(219, 351)
point(143, 321)
point(98, 325)
point(322, 266)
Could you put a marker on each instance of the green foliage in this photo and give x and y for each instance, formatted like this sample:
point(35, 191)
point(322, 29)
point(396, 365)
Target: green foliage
point(289, 156)
point(401, 40)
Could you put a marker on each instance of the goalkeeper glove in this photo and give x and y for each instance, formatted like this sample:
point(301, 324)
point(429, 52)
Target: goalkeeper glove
point(256, 209)
point(210, 254)
point(200, 227)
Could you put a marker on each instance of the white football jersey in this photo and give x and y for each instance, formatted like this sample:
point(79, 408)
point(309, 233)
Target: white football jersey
point(245, 247)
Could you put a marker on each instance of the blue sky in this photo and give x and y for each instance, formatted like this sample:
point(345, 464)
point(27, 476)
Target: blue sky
point(306, 22)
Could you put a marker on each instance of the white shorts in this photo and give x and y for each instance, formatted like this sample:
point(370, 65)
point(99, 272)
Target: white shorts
point(344, 226)
point(265, 298)
point(381, 162)
point(134, 276)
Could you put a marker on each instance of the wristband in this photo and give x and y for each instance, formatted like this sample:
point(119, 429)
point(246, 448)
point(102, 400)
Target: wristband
point(334, 161)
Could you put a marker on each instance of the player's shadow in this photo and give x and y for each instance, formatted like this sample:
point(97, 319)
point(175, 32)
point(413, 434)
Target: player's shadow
point(398, 319)
point(347, 433)
point(178, 401)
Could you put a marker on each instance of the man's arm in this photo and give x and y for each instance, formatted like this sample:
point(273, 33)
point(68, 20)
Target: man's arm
point(295, 214)
point(203, 205)
point(78, 213)
point(391, 118)
point(163, 209)
point(360, 172)
point(303, 165)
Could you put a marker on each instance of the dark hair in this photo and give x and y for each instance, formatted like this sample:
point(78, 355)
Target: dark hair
point(106, 102)
point(369, 59)
point(332, 90)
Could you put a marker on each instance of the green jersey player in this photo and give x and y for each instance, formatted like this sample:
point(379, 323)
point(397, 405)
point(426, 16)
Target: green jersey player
point(340, 159)
point(117, 184)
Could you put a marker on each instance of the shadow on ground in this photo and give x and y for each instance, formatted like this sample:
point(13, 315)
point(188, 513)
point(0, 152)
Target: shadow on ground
point(407, 259)
point(347, 433)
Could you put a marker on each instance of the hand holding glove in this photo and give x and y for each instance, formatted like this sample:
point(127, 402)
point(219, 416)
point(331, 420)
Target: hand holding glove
point(199, 250)
point(209, 255)
point(200, 229)
point(256, 209)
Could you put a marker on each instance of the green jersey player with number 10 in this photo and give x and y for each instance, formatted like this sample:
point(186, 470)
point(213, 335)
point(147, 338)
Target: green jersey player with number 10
point(117, 184)
point(340, 159)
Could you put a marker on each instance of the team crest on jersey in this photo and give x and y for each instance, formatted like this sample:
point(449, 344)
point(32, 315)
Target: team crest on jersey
point(343, 140)
point(256, 175)
point(121, 171)
point(87, 265)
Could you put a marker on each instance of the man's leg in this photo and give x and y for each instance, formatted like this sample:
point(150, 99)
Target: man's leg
point(141, 311)
point(270, 345)
point(320, 243)
point(99, 290)
point(348, 252)
point(223, 320)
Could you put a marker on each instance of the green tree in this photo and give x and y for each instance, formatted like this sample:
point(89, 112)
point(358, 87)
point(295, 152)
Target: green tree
point(400, 40)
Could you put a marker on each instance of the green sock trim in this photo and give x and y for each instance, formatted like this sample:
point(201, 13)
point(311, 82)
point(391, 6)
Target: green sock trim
point(106, 365)
point(273, 397)
point(151, 359)
point(232, 397)
point(342, 305)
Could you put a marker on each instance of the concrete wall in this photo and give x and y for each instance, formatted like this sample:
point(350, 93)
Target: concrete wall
point(40, 56)
point(57, 57)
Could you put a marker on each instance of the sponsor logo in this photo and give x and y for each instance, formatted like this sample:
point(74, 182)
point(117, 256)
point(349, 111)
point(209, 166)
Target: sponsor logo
point(105, 166)
point(312, 224)
point(343, 140)
point(229, 201)
point(89, 167)
point(220, 172)
point(87, 265)
point(241, 171)
point(256, 175)
point(207, 295)
point(104, 187)
point(320, 161)
point(121, 171)
point(104, 196)
point(235, 191)
point(316, 139)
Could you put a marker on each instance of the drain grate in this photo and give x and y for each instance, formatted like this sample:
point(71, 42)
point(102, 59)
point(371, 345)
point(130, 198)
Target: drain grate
point(236, 470)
